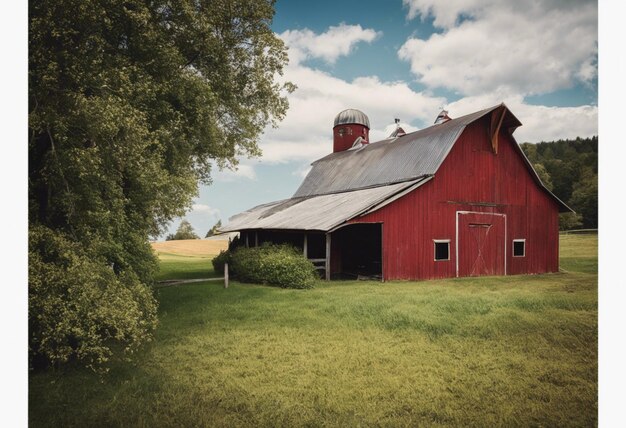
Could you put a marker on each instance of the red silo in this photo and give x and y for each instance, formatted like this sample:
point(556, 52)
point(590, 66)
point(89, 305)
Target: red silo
point(349, 125)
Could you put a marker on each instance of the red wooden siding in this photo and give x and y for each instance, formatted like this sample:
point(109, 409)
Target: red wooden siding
point(473, 179)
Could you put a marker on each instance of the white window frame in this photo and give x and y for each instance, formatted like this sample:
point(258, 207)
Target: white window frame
point(513, 247)
point(440, 241)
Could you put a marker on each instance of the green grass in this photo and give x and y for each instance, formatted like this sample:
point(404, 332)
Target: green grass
point(579, 253)
point(508, 351)
point(175, 266)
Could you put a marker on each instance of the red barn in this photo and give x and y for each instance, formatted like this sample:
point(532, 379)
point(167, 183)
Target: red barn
point(455, 199)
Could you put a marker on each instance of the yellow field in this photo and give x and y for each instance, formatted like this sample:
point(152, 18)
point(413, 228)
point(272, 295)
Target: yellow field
point(191, 247)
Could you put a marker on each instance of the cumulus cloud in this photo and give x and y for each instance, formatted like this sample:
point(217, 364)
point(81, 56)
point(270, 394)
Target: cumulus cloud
point(335, 42)
point(517, 47)
point(306, 132)
point(539, 123)
point(243, 171)
point(205, 210)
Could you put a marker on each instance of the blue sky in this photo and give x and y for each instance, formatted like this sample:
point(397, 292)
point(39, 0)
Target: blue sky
point(407, 59)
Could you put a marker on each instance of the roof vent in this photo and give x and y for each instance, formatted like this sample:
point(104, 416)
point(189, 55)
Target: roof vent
point(442, 117)
point(358, 143)
point(398, 132)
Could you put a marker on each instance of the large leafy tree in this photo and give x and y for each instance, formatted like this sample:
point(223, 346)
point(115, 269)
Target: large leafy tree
point(130, 103)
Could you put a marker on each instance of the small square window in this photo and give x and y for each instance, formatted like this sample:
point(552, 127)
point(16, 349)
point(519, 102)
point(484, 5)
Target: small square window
point(442, 249)
point(519, 247)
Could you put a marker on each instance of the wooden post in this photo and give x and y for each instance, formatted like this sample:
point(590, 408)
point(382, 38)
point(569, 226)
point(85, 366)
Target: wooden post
point(327, 265)
point(225, 275)
point(305, 249)
point(256, 238)
point(247, 244)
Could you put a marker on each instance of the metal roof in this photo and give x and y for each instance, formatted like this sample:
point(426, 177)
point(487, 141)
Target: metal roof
point(324, 212)
point(413, 155)
point(352, 115)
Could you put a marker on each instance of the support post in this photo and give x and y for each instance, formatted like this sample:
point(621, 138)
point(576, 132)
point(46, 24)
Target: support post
point(256, 238)
point(247, 244)
point(225, 275)
point(305, 249)
point(327, 265)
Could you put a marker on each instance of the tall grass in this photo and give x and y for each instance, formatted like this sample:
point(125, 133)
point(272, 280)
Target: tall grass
point(499, 351)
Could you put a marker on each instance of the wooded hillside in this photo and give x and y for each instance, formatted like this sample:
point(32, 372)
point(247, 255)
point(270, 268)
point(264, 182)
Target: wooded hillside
point(569, 168)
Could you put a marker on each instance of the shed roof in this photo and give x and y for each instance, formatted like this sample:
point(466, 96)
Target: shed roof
point(323, 212)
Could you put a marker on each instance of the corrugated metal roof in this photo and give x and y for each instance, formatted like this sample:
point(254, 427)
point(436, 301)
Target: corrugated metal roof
point(351, 115)
point(323, 212)
point(417, 154)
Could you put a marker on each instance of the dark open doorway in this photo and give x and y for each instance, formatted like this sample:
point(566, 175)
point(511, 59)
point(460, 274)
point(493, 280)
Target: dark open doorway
point(357, 252)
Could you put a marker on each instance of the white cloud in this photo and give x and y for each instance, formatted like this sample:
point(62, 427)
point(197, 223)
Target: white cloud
point(517, 47)
point(243, 171)
point(539, 123)
point(204, 210)
point(306, 132)
point(335, 42)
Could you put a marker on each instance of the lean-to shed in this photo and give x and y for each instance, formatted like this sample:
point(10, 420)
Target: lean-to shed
point(458, 198)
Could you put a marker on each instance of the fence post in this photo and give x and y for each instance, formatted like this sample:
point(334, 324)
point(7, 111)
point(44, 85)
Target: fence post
point(225, 275)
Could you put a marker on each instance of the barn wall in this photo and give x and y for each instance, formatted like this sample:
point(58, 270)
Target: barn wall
point(471, 175)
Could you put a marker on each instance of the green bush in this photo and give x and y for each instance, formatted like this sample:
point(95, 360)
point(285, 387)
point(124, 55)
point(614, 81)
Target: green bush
point(222, 258)
point(279, 265)
point(81, 309)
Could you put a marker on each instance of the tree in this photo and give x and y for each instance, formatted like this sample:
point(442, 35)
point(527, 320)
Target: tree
point(184, 231)
point(585, 198)
point(213, 230)
point(130, 102)
point(544, 175)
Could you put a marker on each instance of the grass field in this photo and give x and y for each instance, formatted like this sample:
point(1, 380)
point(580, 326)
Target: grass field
point(511, 351)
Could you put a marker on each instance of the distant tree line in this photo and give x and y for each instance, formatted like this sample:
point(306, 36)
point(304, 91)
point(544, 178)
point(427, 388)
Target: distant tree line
point(569, 168)
point(184, 231)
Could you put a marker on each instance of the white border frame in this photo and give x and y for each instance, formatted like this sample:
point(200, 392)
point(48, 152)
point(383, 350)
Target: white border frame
point(513, 247)
point(456, 249)
point(440, 241)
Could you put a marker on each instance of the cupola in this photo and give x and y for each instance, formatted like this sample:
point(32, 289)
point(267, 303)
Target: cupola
point(349, 125)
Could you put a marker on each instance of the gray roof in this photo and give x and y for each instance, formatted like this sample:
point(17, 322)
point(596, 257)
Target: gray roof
point(393, 160)
point(351, 115)
point(324, 212)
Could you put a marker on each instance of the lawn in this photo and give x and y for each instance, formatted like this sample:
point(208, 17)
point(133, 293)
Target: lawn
point(511, 351)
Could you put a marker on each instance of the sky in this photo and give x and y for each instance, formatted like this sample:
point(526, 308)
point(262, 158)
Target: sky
point(408, 59)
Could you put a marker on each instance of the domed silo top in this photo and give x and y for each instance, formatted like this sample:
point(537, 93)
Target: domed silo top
point(352, 116)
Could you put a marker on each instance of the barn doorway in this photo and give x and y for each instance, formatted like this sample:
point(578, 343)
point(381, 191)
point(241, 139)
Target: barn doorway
point(481, 244)
point(357, 252)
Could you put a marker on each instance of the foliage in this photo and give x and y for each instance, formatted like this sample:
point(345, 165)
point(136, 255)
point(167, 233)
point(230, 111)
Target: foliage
point(570, 221)
point(184, 231)
point(214, 229)
point(280, 265)
point(569, 168)
point(130, 103)
point(220, 260)
point(80, 308)
point(357, 353)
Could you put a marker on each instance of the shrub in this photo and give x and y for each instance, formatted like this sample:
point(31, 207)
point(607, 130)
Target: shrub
point(279, 265)
point(222, 258)
point(79, 308)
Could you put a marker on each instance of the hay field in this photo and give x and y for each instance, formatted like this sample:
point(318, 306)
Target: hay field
point(191, 247)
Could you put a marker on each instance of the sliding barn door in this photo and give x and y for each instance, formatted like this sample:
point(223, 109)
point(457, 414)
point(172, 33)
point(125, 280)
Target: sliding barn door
point(481, 244)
